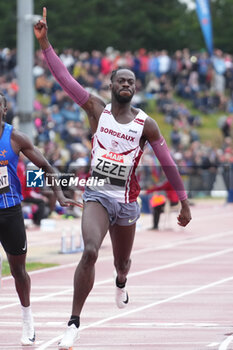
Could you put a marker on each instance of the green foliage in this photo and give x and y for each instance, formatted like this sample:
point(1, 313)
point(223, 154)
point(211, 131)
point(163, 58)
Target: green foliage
point(29, 266)
point(8, 24)
point(222, 24)
point(208, 131)
point(128, 24)
point(123, 24)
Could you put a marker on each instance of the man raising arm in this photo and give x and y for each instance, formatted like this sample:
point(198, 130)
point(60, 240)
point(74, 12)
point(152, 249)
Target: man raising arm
point(120, 132)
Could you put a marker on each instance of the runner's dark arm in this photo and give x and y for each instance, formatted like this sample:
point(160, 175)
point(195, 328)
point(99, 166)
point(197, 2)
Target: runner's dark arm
point(151, 133)
point(21, 143)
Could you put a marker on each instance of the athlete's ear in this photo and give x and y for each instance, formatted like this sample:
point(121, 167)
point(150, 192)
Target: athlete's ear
point(110, 86)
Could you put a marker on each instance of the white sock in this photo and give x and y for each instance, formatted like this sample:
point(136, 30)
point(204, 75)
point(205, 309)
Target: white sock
point(27, 313)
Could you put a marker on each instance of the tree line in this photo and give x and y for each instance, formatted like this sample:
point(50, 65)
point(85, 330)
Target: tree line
point(123, 24)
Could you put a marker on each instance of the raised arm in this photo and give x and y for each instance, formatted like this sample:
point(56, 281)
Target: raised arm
point(91, 104)
point(152, 134)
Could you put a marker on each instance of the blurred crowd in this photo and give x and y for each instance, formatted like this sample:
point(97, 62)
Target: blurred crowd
point(162, 80)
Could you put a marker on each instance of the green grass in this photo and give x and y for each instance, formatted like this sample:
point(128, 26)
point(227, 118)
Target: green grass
point(30, 266)
point(208, 131)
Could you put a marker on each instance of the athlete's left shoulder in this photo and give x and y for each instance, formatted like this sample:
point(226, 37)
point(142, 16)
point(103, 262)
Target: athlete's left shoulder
point(151, 129)
point(142, 114)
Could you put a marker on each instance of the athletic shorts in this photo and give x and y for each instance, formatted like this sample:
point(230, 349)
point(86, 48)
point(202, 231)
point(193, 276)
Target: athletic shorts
point(12, 230)
point(122, 214)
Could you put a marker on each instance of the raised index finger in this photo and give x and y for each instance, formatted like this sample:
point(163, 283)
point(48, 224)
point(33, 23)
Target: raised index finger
point(44, 14)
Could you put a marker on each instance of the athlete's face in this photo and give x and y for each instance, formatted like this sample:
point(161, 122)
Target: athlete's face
point(123, 86)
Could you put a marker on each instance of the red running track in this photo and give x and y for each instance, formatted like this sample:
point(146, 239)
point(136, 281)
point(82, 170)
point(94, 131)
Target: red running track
point(180, 287)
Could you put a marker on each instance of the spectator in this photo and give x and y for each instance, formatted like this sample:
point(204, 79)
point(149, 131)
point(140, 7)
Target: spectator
point(158, 201)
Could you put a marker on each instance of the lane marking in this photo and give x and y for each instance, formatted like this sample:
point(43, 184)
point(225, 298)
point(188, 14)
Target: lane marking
point(182, 262)
point(16, 347)
point(197, 239)
point(225, 343)
point(211, 345)
point(189, 240)
point(142, 308)
point(133, 274)
point(185, 241)
point(173, 325)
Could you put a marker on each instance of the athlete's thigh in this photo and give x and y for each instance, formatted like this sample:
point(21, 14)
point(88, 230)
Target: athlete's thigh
point(13, 235)
point(95, 223)
point(122, 240)
point(16, 262)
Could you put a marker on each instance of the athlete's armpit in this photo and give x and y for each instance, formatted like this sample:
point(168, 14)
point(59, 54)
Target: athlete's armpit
point(151, 130)
point(94, 108)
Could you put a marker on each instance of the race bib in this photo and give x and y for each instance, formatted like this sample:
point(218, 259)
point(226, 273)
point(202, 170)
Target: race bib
point(111, 166)
point(4, 180)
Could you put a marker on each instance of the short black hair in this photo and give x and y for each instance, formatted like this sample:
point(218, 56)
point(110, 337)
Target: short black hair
point(114, 72)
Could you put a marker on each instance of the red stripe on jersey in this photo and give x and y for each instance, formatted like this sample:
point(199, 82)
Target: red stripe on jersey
point(139, 120)
point(127, 152)
point(134, 188)
point(106, 111)
point(140, 123)
point(100, 144)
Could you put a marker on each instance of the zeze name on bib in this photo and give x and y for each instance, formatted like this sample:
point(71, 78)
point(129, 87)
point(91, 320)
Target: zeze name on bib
point(111, 166)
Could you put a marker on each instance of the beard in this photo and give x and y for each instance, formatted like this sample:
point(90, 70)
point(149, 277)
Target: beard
point(122, 98)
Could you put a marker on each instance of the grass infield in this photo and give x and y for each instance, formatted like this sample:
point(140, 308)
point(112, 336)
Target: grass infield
point(30, 266)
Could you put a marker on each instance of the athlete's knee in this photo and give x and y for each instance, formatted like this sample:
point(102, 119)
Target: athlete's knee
point(122, 266)
point(90, 255)
point(18, 271)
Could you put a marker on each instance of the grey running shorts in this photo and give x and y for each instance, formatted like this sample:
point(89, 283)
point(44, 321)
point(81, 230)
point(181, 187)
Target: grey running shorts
point(12, 232)
point(122, 214)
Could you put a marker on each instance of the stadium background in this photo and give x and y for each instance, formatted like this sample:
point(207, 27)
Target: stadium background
point(187, 90)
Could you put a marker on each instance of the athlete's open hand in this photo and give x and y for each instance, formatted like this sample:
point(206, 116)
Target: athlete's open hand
point(66, 202)
point(185, 215)
point(40, 28)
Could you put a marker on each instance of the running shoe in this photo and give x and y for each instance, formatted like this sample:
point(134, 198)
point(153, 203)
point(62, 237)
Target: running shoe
point(70, 336)
point(121, 297)
point(28, 335)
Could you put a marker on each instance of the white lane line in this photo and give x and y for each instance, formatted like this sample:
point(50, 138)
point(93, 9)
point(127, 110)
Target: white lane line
point(225, 343)
point(133, 274)
point(188, 240)
point(185, 241)
point(147, 325)
point(51, 295)
point(172, 325)
point(17, 347)
point(142, 308)
point(211, 345)
point(182, 262)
